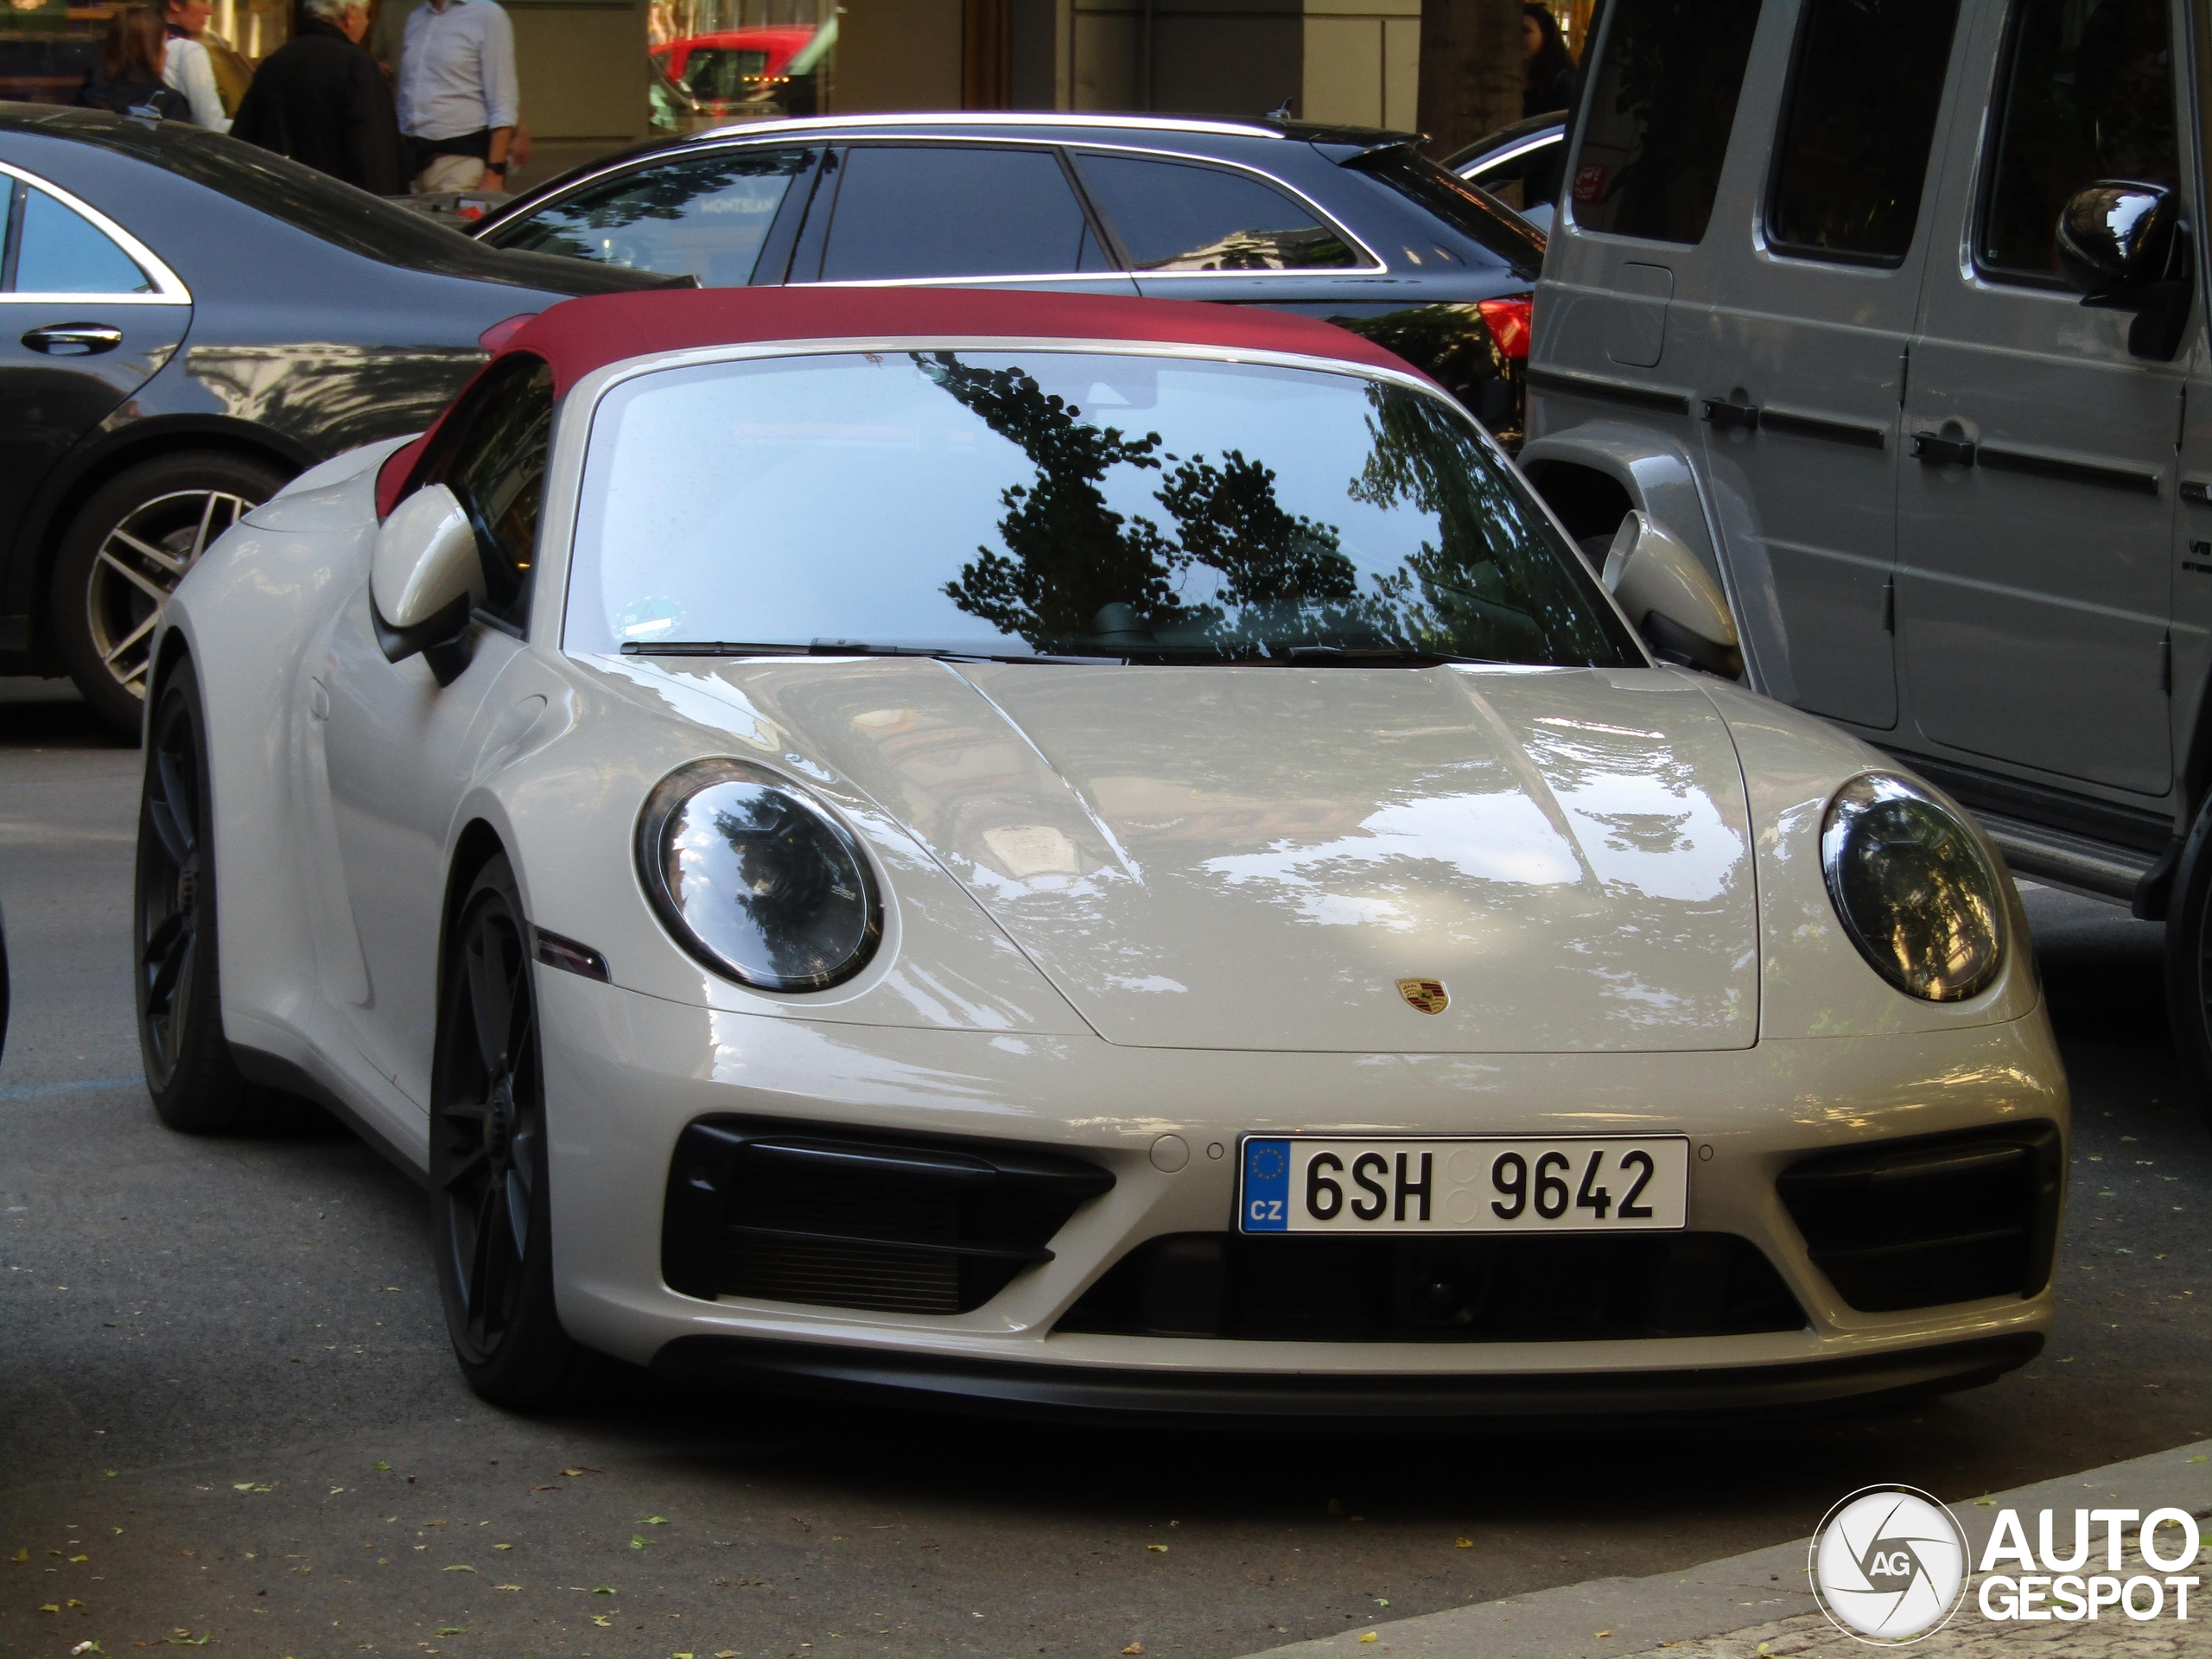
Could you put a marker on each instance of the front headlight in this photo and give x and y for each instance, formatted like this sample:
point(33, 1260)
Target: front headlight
point(1914, 891)
point(756, 878)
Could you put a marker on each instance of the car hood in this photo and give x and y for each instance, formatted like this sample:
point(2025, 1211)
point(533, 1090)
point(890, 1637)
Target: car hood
point(1254, 857)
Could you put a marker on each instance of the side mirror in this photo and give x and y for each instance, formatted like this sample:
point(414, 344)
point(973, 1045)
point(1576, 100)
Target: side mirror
point(2125, 247)
point(1677, 607)
point(426, 575)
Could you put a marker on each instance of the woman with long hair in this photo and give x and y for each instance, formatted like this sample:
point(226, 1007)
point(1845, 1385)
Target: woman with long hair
point(1548, 67)
point(129, 74)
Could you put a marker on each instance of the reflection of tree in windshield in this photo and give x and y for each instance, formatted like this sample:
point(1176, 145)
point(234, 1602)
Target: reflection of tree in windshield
point(1483, 586)
point(1072, 555)
point(1078, 570)
point(1075, 576)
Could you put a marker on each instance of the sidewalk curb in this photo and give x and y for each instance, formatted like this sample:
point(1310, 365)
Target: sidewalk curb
point(1733, 1593)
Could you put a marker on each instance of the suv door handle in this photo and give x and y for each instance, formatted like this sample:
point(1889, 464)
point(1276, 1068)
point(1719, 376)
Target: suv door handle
point(1940, 451)
point(74, 339)
point(1721, 412)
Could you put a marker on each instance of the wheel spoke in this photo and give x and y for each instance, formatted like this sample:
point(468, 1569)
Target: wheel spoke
point(179, 796)
point(469, 1169)
point(518, 1209)
point(130, 640)
point(489, 1000)
point(160, 557)
point(145, 585)
point(206, 517)
point(479, 1265)
point(175, 959)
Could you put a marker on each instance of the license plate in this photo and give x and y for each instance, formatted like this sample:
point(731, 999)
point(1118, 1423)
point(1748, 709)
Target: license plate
point(1317, 1183)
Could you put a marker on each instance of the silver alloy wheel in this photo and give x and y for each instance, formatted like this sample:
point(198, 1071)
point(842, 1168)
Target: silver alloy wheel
point(140, 563)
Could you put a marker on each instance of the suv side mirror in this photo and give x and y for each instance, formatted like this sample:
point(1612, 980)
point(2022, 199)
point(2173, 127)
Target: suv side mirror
point(2125, 247)
point(425, 576)
point(1679, 609)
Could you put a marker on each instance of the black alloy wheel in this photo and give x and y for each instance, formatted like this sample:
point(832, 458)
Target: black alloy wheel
point(488, 1159)
point(122, 556)
point(177, 971)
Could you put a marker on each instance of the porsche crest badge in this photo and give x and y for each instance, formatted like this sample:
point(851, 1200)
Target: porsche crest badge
point(1426, 994)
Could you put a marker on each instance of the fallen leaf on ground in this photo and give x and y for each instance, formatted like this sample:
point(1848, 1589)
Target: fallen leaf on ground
point(656, 1521)
point(464, 1567)
point(1133, 1647)
point(636, 1542)
point(601, 1620)
point(503, 1546)
point(87, 1647)
point(1157, 1549)
point(506, 1587)
point(49, 1607)
point(2199, 1457)
point(453, 1630)
point(1601, 1633)
point(572, 1472)
point(80, 1557)
point(603, 1590)
point(1463, 1543)
point(22, 1554)
point(1370, 1636)
point(381, 1464)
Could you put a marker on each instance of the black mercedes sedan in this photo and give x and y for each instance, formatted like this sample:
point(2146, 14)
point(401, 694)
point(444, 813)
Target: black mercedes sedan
point(191, 322)
point(1348, 224)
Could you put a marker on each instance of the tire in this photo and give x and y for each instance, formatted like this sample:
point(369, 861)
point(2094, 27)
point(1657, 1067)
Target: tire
point(492, 1211)
point(176, 970)
point(2189, 963)
point(124, 553)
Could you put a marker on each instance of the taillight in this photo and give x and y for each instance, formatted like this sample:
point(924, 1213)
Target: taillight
point(1509, 324)
point(501, 333)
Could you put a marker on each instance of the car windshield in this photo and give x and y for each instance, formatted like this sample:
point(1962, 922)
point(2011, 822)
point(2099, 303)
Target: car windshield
point(1135, 508)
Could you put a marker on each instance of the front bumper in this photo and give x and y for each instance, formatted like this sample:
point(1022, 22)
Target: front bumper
point(627, 1073)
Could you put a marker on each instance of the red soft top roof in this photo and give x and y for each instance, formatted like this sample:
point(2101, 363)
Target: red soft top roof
point(580, 336)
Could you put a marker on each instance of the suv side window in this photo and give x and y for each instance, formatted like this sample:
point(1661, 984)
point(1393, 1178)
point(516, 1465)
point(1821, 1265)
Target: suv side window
point(1661, 107)
point(493, 456)
point(53, 249)
point(954, 210)
point(1181, 216)
point(2088, 94)
point(1865, 85)
point(703, 216)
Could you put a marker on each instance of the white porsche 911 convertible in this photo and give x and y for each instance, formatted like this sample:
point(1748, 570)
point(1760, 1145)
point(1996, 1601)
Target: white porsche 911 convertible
point(1072, 854)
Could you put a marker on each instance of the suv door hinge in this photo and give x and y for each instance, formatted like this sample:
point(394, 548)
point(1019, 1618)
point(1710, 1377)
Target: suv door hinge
point(1889, 604)
point(1904, 371)
point(2166, 662)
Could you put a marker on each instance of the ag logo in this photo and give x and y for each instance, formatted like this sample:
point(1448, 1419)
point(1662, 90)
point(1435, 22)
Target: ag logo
point(1889, 1565)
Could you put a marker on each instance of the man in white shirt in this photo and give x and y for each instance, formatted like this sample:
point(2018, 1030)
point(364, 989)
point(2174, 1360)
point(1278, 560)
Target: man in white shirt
point(458, 97)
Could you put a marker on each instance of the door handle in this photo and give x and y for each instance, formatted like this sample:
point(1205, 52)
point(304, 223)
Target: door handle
point(1721, 412)
point(1940, 451)
point(74, 339)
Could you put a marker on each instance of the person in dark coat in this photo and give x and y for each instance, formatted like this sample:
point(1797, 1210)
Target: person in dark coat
point(129, 74)
point(321, 100)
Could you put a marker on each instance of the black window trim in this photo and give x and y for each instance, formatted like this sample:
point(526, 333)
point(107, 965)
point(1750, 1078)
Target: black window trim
point(431, 468)
point(1930, 168)
point(1996, 112)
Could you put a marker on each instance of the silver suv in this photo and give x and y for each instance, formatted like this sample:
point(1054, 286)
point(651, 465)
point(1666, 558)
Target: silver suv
point(1890, 308)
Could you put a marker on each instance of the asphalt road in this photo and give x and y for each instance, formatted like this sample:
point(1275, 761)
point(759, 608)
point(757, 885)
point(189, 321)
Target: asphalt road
point(227, 1411)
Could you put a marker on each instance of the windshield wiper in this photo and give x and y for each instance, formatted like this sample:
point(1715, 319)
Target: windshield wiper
point(840, 648)
point(1361, 655)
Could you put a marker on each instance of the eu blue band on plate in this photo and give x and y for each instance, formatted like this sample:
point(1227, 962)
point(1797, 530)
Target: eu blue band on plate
point(1266, 1186)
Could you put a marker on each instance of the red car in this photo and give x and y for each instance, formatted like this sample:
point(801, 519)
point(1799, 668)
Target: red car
point(735, 67)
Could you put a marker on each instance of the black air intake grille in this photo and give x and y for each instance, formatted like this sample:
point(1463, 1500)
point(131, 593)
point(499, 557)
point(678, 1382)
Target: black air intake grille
point(791, 1212)
point(1464, 1289)
point(1923, 1222)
